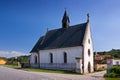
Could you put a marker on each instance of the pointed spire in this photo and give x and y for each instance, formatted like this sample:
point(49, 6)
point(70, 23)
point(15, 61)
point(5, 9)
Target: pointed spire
point(88, 17)
point(65, 20)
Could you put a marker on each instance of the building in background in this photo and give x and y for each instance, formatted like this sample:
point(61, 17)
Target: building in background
point(112, 62)
point(3, 60)
point(100, 61)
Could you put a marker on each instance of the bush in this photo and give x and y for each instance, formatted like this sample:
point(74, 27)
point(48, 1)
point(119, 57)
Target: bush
point(115, 69)
point(105, 75)
point(111, 75)
point(114, 72)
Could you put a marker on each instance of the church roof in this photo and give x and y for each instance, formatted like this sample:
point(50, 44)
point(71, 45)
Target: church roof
point(61, 38)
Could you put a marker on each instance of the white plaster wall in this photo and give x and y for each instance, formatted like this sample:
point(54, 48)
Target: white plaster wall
point(111, 63)
point(87, 46)
point(32, 58)
point(115, 61)
point(72, 52)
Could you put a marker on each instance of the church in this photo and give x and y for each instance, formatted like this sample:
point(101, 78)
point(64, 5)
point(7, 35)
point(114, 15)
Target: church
point(67, 48)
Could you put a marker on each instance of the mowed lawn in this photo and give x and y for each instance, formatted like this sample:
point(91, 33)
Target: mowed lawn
point(112, 78)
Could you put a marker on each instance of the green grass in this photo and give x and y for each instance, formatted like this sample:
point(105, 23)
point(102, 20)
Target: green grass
point(49, 71)
point(112, 78)
point(41, 70)
point(12, 66)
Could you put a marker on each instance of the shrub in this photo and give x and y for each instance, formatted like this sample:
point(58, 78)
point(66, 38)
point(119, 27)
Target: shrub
point(111, 75)
point(115, 69)
point(114, 72)
point(105, 75)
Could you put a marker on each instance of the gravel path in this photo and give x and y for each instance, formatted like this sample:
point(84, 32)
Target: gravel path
point(14, 74)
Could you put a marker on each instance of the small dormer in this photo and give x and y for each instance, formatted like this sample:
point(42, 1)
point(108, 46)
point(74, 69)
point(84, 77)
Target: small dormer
point(65, 21)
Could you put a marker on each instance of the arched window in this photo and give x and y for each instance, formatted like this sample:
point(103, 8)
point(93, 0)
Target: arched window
point(89, 41)
point(35, 59)
point(51, 58)
point(65, 57)
point(89, 52)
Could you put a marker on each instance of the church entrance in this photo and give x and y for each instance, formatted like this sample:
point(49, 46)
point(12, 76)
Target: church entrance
point(89, 67)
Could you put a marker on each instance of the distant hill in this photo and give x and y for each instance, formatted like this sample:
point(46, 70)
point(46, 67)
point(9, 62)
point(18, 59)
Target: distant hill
point(115, 53)
point(21, 59)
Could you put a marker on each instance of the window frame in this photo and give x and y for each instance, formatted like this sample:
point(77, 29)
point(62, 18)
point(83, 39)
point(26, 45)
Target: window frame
point(65, 57)
point(51, 58)
point(89, 52)
point(36, 59)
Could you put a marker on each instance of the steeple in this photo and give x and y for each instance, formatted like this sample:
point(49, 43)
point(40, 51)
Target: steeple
point(65, 21)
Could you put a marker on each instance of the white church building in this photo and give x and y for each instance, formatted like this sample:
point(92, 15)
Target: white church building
point(65, 48)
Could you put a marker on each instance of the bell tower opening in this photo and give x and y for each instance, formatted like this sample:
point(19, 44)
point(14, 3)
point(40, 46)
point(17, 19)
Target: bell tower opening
point(65, 21)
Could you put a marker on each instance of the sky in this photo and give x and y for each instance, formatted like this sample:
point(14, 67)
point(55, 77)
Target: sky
point(22, 22)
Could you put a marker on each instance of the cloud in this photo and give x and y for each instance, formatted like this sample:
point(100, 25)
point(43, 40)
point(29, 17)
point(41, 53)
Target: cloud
point(11, 54)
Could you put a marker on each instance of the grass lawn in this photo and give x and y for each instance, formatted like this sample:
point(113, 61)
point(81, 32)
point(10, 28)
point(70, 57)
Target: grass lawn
point(49, 71)
point(41, 70)
point(12, 66)
point(112, 78)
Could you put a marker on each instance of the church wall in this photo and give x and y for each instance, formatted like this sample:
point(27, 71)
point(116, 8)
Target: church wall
point(88, 45)
point(72, 53)
point(58, 57)
point(32, 60)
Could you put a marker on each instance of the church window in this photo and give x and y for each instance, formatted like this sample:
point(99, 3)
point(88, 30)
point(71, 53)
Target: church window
point(51, 58)
point(65, 57)
point(89, 41)
point(35, 59)
point(89, 52)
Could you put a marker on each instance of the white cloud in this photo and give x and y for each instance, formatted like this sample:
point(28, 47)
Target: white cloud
point(11, 54)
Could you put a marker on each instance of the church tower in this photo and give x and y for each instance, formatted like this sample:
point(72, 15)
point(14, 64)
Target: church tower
point(65, 21)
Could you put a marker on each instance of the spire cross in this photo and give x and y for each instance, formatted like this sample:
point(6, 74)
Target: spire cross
point(88, 16)
point(47, 29)
point(65, 8)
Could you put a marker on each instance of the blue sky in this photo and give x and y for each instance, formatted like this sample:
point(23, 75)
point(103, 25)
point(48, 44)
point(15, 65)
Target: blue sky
point(22, 22)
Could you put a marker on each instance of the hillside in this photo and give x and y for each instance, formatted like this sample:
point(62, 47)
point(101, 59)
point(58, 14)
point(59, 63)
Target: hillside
point(115, 53)
point(21, 59)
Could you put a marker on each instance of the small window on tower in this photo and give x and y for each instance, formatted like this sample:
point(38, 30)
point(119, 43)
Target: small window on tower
point(89, 52)
point(89, 41)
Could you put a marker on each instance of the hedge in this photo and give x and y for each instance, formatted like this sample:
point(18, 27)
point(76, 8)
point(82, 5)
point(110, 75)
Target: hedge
point(114, 72)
